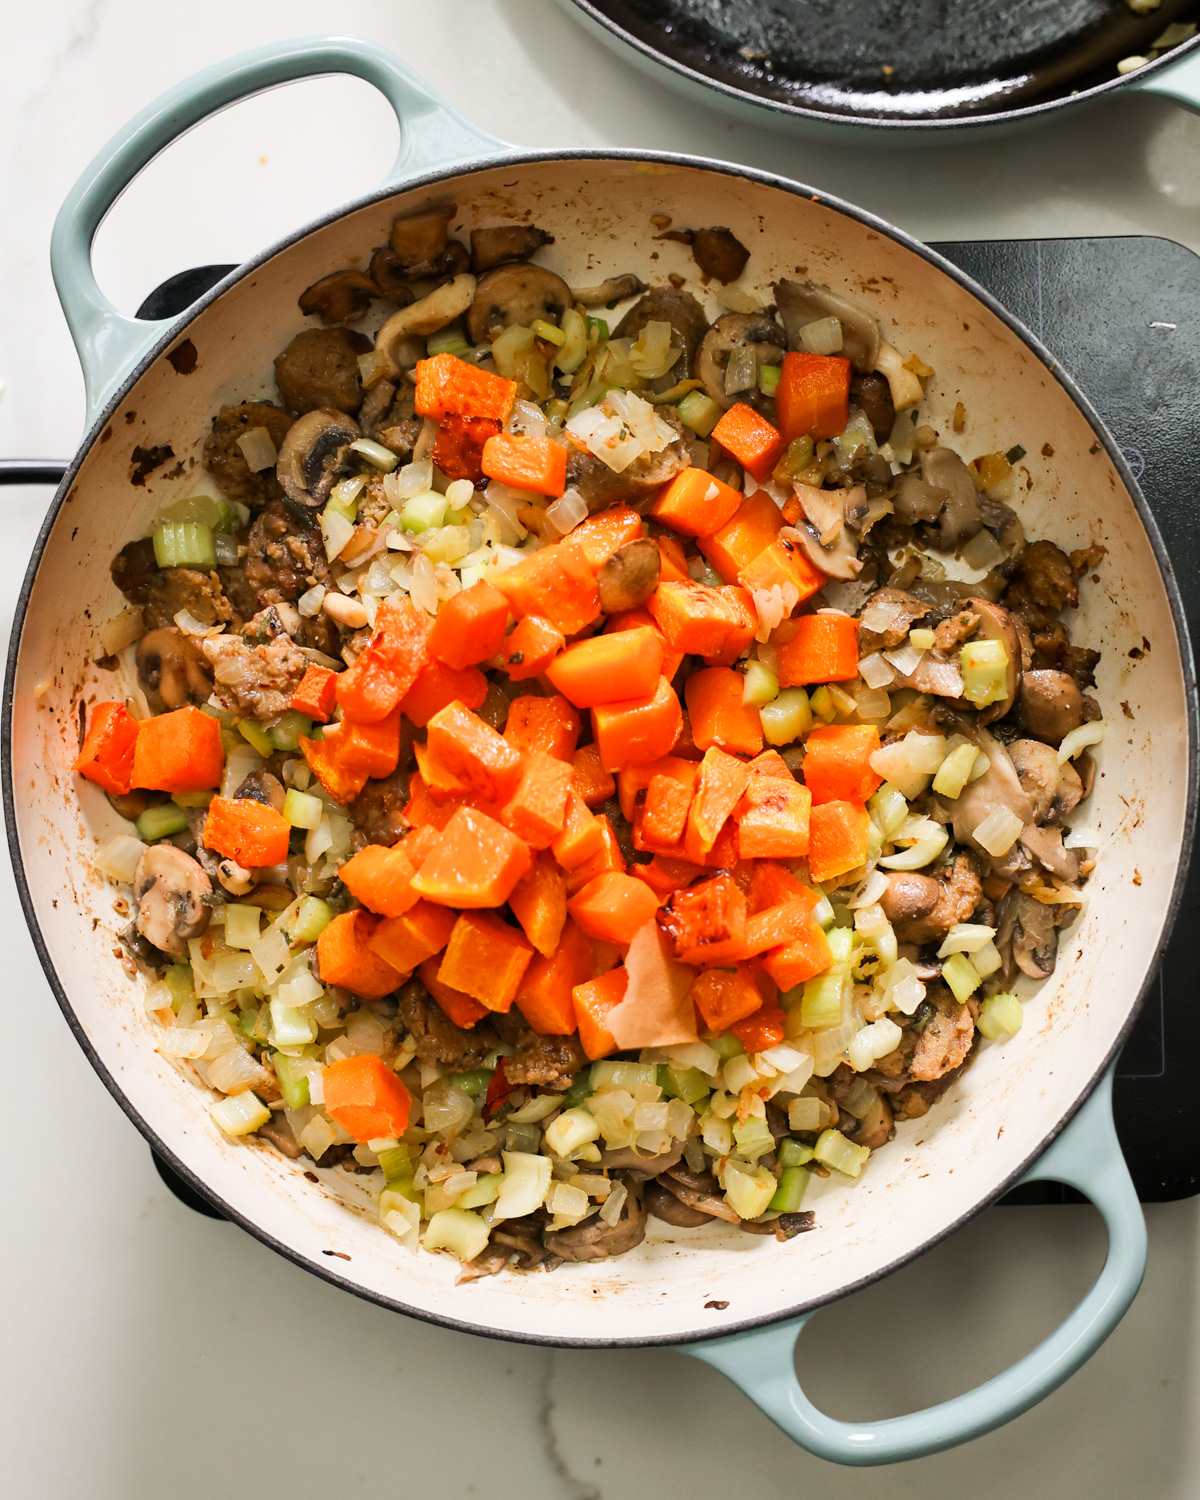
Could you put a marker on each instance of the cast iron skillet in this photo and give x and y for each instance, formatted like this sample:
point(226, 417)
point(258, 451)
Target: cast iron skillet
point(914, 66)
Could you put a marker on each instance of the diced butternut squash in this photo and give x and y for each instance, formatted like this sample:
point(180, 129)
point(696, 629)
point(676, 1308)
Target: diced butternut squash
point(755, 525)
point(471, 750)
point(470, 626)
point(608, 668)
point(837, 762)
point(823, 649)
point(475, 863)
point(486, 959)
point(582, 837)
point(837, 839)
point(557, 583)
point(345, 957)
point(177, 752)
point(381, 878)
point(707, 922)
point(773, 819)
point(613, 907)
point(665, 875)
point(637, 729)
point(537, 809)
point(544, 996)
point(719, 789)
point(387, 668)
point(593, 1001)
point(634, 779)
point(599, 536)
point(461, 1009)
point(608, 858)
point(438, 686)
point(372, 750)
point(672, 560)
point(593, 783)
point(635, 619)
point(717, 714)
point(539, 903)
point(723, 996)
point(784, 563)
point(365, 1097)
point(806, 956)
point(813, 395)
point(531, 647)
point(750, 438)
point(549, 724)
point(423, 809)
point(696, 503)
point(766, 1028)
point(246, 831)
point(668, 801)
point(717, 624)
point(107, 754)
point(324, 762)
point(406, 942)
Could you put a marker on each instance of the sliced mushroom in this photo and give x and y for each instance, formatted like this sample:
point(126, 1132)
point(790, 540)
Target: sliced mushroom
point(491, 247)
point(1051, 704)
point(1046, 846)
point(886, 618)
point(998, 788)
point(170, 887)
point(605, 293)
point(995, 624)
point(173, 666)
point(280, 1134)
point(1026, 935)
point(629, 1159)
point(718, 252)
point(960, 517)
point(261, 786)
point(699, 1190)
point(916, 501)
point(313, 455)
point(628, 578)
point(825, 510)
point(1004, 524)
point(873, 396)
point(840, 560)
point(420, 237)
point(514, 296)
point(909, 896)
point(419, 320)
point(906, 389)
point(665, 1205)
point(596, 1240)
point(666, 305)
point(804, 302)
point(235, 878)
point(733, 332)
point(340, 297)
point(876, 1128)
point(1054, 790)
point(387, 272)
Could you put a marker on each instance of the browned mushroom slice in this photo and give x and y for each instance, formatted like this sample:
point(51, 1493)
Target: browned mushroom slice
point(663, 1204)
point(341, 297)
point(491, 247)
point(396, 342)
point(873, 396)
point(838, 560)
point(605, 293)
point(1026, 935)
point(420, 237)
point(681, 311)
point(388, 274)
point(628, 578)
point(750, 339)
point(596, 1240)
point(718, 252)
point(319, 368)
point(916, 501)
point(515, 295)
point(804, 302)
point(960, 517)
point(1054, 790)
point(172, 667)
point(313, 455)
point(170, 889)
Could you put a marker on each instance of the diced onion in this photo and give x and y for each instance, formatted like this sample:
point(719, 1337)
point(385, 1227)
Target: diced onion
point(119, 857)
point(607, 437)
point(998, 832)
point(906, 659)
point(375, 454)
point(240, 1115)
point(982, 552)
point(190, 625)
point(966, 937)
point(505, 503)
point(567, 511)
point(1081, 838)
point(876, 671)
point(336, 531)
point(258, 449)
point(309, 604)
point(184, 1041)
point(122, 630)
point(412, 479)
point(610, 1211)
point(822, 337)
point(928, 839)
point(872, 1043)
point(1079, 739)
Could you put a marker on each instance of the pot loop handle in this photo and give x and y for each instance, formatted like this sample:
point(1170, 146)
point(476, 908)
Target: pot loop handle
point(432, 135)
point(1086, 1156)
point(1179, 81)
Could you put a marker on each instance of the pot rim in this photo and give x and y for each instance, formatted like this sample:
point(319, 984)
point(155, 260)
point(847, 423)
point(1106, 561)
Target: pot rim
point(939, 124)
point(441, 177)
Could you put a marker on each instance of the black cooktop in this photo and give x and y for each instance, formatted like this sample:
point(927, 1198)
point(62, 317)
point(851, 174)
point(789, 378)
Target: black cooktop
point(1123, 315)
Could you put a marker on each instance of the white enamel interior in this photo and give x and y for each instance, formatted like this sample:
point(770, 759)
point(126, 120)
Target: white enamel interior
point(1011, 1097)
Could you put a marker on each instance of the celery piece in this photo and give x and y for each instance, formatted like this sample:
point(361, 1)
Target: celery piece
point(725, 1046)
point(688, 1084)
point(312, 917)
point(397, 1163)
point(291, 1027)
point(485, 1191)
point(955, 771)
point(834, 1150)
point(248, 1020)
point(216, 514)
point(821, 1004)
point(1000, 1016)
point(985, 666)
point(473, 1082)
point(599, 327)
point(378, 455)
point(923, 640)
point(753, 1138)
point(841, 944)
point(184, 544)
point(293, 1080)
point(580, 1088)
point(760, 686)
point(343, 502)
point(458, 1230)
point(239, 1114)
point(549, 332)
point(748, 1190)
point(797, 458)
point(448, 340)
point(178, 979)
point(572, 351)
point(399, 1190)
point(788, 716)
point(790, 1193)
point(889, 809)
point(794, 1153)
point(699, 412)
point(768, 378)
point(285, 731)
point(961, 975)
point(161, 821)
point(423, 511)
point(622, 1075)
point(254, 734)
point(301, 810)
point(191, 799)
point(822, 705)
point(570, 1130)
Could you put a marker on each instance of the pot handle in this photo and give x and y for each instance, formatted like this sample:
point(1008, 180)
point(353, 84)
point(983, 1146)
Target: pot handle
point(1086, 1156)
point(1179, 81)
point(432, 135)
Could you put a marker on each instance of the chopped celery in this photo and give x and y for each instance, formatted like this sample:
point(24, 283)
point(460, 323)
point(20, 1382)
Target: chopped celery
point(821, 1003)
point(961, 975)
point(622, 1075)
point(293, 1080)
point(985, 668)
point(889, 809)
point(572, 1128)
point(699, 412)
point(794, 1153)
point(822, 705)
point(725, 1046)
point(841, 944)
point(688, 1084)
point(788, 716)
point(376, 454)
point(760, 685)
point(458, 1230)
point(485, 1191)
point(284, 733)
point(790, 1193)
point(473, 1082)
point(753, 1138)
point(423, 511)
point(768, 378)
point(823, 913)
point(796, 459)
point(242, 925)
point(343, 499)
point(449, 340)
point(301, 810)
point(312, 917)
point(842, 701)
point(161, 821)
point(748, 1190)
point(178, 979)
point(578, 1092)
point(399, 1191)
point(291, 1027)
point(191, 799)
point(549, 332)
point(923, 640)
point(599, 327)
point(240, 1114)
point(248, 1021)
point(1000, 1016)
point(184, 544)
point(834, 1150)
point(526, 1183)
point(216, 514)
point(397, 1163)
point(254, 734)
point(955, 771)
point(573, 350)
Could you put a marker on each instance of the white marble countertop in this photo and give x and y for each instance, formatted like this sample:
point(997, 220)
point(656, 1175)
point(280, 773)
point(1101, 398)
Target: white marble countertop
point(147, 1351)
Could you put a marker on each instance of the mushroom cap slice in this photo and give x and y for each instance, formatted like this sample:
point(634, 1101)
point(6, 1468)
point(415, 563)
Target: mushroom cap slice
point(387, 272)
point(515, 295)
point(170, 887)
point(839, 560)
point(605, 293)
point(505, 242)
point(313, 454)
point(1051, 704)
point(628, 578)
point(804, 302)
point(873, 396)
point(421, 235)
point(960, 517)
point(665, 305)
point(755, 331)
point(441, 306)
point(340, 297)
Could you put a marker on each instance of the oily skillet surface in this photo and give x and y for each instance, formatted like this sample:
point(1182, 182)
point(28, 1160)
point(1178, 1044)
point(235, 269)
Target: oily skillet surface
point(331, 1271)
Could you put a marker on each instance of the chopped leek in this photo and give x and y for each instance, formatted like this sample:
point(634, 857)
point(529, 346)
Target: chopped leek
point(254, 734)
point(312, 917)
point(240, 1114)
point(822, 704)
point(474, 1082)
point(184, 544)
point(423, 511)
point(788, 716)
point(293, 1080)
point(985, 667)
point(572, 1129)
point(699, 412)
point(301, 810)
point(599, 327)
point(284, 732)
point(768, 378)
point(795, 1153)
point(485, 1191)
point(1000, 1016)
point(376, 454)
point(796, 459)
point(450, 340)
point(834, 1150)
point(961, 975)
point(753, 1138)
point(549, 332)
point(161, 821)
point(748, 1190)
point(688, 1084)
point(955, 771)
point(790, 1193)
point(821, 1002)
